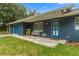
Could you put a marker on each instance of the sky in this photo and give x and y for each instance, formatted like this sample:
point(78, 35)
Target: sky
point(45, 7)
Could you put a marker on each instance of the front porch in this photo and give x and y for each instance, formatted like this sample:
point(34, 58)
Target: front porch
point(41, 40)
point(48, 28)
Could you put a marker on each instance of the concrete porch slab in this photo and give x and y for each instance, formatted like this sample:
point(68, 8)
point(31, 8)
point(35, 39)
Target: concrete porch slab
point(41, 41)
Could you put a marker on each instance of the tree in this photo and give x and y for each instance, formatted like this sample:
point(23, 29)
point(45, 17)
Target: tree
point(10, 12)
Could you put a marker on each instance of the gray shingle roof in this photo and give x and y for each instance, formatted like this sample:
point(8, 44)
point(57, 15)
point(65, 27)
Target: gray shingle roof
point(48, 15)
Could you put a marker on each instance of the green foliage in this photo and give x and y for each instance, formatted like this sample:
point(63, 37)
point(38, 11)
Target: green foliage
point(10, 12)
point(2, 32)
point(15, 46)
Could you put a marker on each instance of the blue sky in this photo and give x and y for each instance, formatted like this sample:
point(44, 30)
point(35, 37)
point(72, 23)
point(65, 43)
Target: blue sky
point(45, 7)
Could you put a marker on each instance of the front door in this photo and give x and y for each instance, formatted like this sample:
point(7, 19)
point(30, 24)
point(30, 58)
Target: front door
point(55, 29)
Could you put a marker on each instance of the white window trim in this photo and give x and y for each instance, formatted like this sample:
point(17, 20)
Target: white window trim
point(39, 30)
point(76, 27)
point(36, 31)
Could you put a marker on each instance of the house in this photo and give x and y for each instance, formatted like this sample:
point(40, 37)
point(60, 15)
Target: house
point(61, 23)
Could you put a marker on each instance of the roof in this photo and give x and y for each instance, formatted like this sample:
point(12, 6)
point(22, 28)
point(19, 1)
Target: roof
point(76, 12)
point(49, 15)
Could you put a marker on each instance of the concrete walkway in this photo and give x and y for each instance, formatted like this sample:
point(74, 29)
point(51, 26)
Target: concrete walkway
point(4, 35)
point(39, 40)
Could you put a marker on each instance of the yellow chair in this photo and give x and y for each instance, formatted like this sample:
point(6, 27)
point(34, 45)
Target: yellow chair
point(28, 32)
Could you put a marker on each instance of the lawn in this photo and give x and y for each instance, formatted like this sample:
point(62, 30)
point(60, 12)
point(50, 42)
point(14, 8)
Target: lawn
point(3, 32)
point(17, 47)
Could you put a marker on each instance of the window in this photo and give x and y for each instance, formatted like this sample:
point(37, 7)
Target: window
point(38, 26)
point(55, 25)
point(77, 23)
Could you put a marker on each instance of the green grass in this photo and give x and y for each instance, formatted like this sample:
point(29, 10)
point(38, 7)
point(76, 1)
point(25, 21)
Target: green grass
point(16, 47)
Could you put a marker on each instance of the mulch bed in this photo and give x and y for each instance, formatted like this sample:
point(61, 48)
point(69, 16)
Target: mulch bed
point(72, 43)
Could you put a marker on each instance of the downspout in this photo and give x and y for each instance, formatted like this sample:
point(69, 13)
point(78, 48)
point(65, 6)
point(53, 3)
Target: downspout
point(51, 28)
